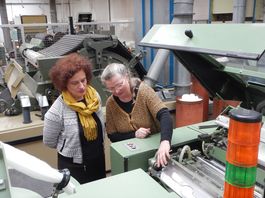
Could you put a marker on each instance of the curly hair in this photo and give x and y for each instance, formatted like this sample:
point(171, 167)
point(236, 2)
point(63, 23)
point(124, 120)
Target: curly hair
point(66, 67)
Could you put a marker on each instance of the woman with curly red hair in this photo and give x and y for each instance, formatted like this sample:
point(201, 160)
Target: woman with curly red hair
point(74, 124)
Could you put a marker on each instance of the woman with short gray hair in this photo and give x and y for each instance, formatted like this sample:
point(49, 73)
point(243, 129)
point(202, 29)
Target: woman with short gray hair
point(135, 111)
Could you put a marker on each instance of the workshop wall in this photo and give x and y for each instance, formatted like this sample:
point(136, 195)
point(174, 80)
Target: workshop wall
point(102, 11)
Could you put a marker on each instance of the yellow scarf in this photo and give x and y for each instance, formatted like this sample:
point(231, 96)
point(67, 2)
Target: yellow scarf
point(85, 111)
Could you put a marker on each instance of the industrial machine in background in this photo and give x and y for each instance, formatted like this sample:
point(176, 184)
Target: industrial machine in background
point(2, 63)
point(32, 78)
point(37, 35)
point(27, 74)
point(227, 65)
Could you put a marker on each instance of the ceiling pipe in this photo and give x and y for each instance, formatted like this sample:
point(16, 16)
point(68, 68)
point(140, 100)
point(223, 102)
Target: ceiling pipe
point(239, 11)
point(183, 12)
point(53, 11)
point(6, 30)
point(263, 11)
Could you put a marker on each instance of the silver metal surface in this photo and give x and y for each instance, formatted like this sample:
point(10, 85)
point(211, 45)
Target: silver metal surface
point(190, 183)
point(261, 155)
point(66, 44)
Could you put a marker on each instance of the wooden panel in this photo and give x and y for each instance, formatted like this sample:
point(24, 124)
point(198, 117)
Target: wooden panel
point(201, 10)
point(221, 7)
point(29, 19)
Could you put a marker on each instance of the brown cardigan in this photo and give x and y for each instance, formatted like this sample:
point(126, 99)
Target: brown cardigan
point(143, 114)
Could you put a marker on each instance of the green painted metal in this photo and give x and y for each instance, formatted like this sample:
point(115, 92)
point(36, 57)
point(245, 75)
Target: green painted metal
point(125, 159)
point(132, 184)
point(233, 40)
point(219, 154)
point(244, 72)
point(45, 64)
point(225, 58)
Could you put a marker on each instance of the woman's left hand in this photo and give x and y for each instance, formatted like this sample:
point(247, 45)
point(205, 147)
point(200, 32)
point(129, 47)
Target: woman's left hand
point(162, 155)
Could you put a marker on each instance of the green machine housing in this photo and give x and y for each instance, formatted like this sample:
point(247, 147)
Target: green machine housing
point(227, 59)
point(134, 153)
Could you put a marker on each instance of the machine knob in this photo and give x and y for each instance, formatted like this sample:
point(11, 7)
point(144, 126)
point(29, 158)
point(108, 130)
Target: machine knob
point(189, 33)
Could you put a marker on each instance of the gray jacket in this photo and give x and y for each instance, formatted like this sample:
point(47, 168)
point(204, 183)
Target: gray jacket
point(61, 130)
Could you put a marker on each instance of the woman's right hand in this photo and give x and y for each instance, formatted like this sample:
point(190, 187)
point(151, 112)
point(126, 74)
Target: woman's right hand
point(142, 132)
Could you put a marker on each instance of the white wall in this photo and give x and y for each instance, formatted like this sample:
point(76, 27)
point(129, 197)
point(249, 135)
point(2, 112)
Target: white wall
point(15, 9)
point(120, 10)
point(201, 10)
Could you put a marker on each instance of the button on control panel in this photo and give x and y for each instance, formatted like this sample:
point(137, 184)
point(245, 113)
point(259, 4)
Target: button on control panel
point(131, 146)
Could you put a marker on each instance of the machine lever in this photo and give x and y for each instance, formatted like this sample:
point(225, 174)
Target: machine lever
point(189, 33)
point(63, 183)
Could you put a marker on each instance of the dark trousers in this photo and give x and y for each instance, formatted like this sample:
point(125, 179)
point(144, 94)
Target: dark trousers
point(90, 170)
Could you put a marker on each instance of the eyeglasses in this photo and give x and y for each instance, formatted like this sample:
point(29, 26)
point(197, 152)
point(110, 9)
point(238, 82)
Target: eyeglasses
point(118, 86)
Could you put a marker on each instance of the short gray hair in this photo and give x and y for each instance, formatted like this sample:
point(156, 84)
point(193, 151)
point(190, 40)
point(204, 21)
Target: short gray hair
point(114, 69)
